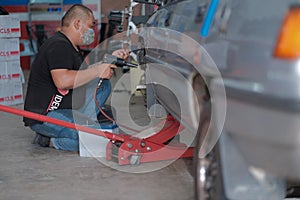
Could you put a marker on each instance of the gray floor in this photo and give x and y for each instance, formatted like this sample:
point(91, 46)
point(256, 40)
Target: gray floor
point(28, 171)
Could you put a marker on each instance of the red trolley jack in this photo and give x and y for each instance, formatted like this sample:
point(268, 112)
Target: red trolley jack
point(157, 147)
point(127, 149)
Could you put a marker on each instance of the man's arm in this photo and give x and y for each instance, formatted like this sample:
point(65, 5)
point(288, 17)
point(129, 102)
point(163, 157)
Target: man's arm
point(65, 79)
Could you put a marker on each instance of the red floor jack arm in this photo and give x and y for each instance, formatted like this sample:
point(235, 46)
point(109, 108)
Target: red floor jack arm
point(58, 122)
point(126, 149)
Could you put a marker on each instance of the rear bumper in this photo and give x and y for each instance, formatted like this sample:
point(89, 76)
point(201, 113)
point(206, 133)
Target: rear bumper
point(265, 128)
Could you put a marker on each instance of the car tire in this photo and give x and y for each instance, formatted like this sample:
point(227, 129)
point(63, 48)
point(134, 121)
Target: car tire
point(207, 170)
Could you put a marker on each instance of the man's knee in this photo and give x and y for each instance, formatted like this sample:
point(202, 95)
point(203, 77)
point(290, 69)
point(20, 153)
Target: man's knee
point(106, 86)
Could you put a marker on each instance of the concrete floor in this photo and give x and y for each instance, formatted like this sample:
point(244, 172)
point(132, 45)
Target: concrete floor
point(28, 171)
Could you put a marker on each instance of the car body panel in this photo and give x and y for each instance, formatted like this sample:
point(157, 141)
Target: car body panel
point(263, 92)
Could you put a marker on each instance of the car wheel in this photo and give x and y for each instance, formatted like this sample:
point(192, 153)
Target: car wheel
point(207, 169)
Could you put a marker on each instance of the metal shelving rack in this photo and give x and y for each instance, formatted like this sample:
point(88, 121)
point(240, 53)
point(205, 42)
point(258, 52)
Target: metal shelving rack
point(44, 6)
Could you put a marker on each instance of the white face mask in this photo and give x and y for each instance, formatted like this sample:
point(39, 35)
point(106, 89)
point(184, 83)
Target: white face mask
point(88, 37)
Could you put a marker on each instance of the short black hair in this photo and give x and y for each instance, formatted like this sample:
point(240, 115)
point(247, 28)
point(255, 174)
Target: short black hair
point(75, 11)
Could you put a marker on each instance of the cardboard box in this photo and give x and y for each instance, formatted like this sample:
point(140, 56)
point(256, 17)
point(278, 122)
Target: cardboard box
point(9, 49)
point(10, 71)
point(11, 93)
point(93, 145)
point(9, 26)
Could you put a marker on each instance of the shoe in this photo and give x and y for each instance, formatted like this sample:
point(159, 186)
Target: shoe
point(41, 140)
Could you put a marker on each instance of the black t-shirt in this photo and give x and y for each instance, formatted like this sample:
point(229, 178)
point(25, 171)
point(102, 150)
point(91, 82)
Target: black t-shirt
point(42, 95)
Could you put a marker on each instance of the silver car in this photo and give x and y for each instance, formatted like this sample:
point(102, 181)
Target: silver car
point(231, 74)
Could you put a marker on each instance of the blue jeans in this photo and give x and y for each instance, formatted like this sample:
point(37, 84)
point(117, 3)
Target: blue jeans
point(66, 138)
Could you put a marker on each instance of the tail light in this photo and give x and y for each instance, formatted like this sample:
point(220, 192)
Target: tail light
point(288, 43)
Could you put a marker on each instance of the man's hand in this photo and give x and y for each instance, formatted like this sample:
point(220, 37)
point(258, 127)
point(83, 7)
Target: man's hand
point(106, 70)
point(121, 53)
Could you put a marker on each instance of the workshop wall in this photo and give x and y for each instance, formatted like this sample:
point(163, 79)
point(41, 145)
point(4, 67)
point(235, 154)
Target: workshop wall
point(24, 2)
point(50, 22)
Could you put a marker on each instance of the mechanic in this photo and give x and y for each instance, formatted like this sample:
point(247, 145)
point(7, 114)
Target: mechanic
point(59, 79)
